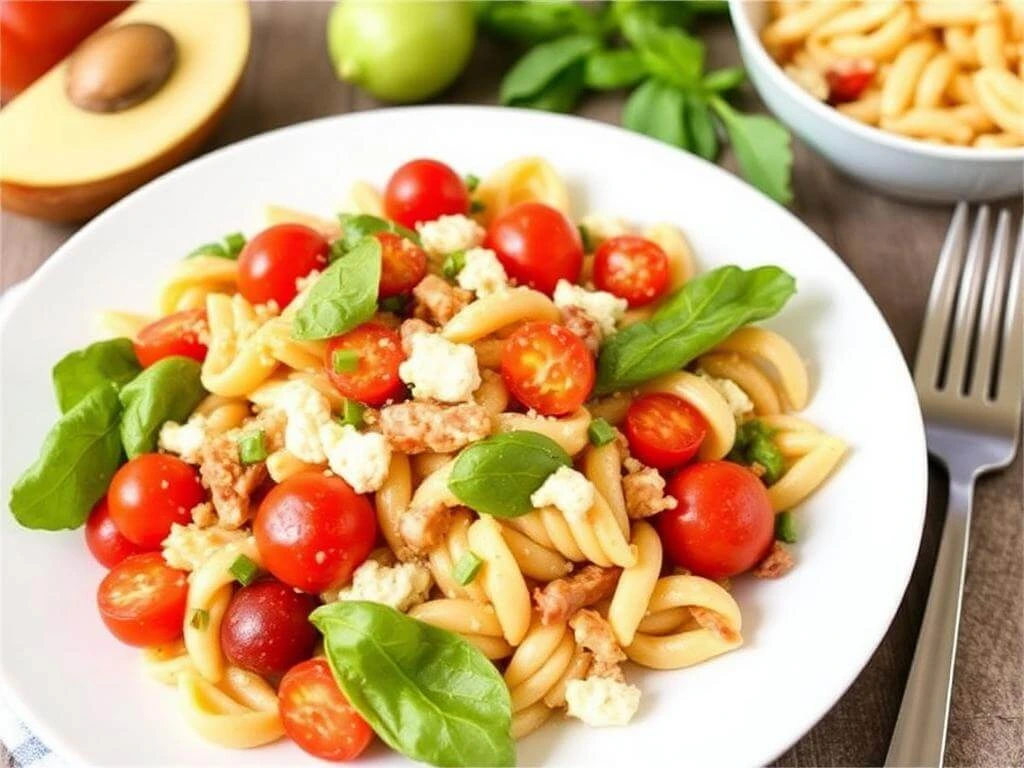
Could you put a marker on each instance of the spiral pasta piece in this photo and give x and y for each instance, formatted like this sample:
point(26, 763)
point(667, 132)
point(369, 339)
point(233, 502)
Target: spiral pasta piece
point(539, 665)
point(535, 561)
point(636, 585)
point(475, 622)
point(501, 579)
point(570, 432)
point(772, 349)
point(279, 214)
point(602, 466)
point(392, 499)
point(814, 456)
point(196, 278)
point(116, 324)
point(238, 359)
point(527, 179)
point(443, 558)
point(498, 310)
point(242, 712)
point(709, 403)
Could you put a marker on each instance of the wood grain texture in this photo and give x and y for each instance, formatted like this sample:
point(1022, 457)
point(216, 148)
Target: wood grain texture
point(892, 248)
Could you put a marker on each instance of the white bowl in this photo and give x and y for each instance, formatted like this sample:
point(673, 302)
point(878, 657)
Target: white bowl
point(892, 164)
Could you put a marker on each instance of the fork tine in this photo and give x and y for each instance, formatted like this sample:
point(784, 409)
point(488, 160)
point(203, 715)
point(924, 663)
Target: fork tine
point(967, 305)
point(1011, 375)
point(940, 303)
point(992, 307)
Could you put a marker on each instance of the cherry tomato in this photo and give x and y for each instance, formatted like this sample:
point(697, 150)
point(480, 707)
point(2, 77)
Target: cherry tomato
point(177, 334)
point(423, 190)
point(633, 268)
point(317, 716)
point(537, 245)
point(142, 600)
point(374, 378)
point(548, 368)
point(313, 531)
point(271, 262)
point(107, 544)
point(723, 523)
point(847, 80)
point(151, 492)
point(266, 628)
point(403, 264)
point(664, 431)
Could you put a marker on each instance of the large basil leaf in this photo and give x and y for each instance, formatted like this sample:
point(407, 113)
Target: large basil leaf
point(497, 476)
point(561, 94)
point(425, 691)
point(532, 22)
point(658, 110)
point(535, 71)
point(79, 372)
point(168, 390)
point(668, 53)
point(75, 465)
point(618, 68)
point(700, 315)
point(762, 147)
point(344, 296)
point(355, 227)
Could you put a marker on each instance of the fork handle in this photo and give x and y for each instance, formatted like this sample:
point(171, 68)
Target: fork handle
point(920, 735)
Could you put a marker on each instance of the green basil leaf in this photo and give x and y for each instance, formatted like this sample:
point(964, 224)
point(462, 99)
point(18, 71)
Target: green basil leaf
point(700, 315)
point(228, 248)
point(722, 80)
point(79, 372)
point(754, 445)
point(668, 53)
point(700, 127)
point(657, 109)
point(762, 147)
point(662, 13)
point(168, 390)
point(428, 693)
point(78, 458)
point(356, 227)
point(608, 70)
point(561, 94)
point(533, 22)
point(497, 475)
point(541, 65)
point(344, 296)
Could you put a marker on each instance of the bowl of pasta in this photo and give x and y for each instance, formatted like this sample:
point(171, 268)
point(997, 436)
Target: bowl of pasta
point(923, 101)
point(546, 465)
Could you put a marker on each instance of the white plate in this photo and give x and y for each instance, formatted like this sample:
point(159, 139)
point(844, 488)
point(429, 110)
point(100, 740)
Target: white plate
point(807, 635)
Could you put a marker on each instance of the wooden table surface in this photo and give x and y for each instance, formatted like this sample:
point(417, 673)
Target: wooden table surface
point(892, 248)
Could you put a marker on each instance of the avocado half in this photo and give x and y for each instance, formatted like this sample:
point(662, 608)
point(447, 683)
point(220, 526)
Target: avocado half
point(62, 163)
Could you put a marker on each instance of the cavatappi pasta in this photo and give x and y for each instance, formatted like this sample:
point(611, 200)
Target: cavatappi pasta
point(305, 451)
point(942, 71)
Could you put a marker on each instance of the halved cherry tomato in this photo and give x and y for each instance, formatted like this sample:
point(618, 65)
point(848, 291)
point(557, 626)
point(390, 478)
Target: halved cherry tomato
point(374, 379)
point(177, 334)
point(633, 268)
point(403, 264)
point(313, 531)
point(548, 368)
point(537, 245)
point(107, 544)
point(271, 262)
point(723, 523)
point(151, 492)
point(664, 431)
point(318, 717)
point(142, 600)
point(847, 80)
point(422, 190)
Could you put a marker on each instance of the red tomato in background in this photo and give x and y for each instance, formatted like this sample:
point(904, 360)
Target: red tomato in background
point(177, 334)
point(633, 268)
point(313, 531)
point(847, 80)
point(664, 431)
point(548, 368)
point(318, 717)
point(375, 378)
point(36, 35)
point(723, 523)
point(403, 264)
point(151, 492)
point(107, 544)
point(271, 262)
point(537, 245)
point(142, 600)
point(423, 190)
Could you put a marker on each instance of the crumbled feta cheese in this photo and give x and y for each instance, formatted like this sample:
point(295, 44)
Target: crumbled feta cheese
point(605, 308)
point(601, 701)
point(448, 234)
point(602, 227)
point(189, 546)
point(360, 459)
point(738, 400)
point(401, 586)
point(305, 409)
point(437, 369)
point(186, 440)
point(482, 273)
point(567, 490)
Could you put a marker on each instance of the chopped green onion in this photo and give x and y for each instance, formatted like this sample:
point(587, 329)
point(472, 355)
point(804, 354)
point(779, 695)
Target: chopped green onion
point(785, 527)
point(472, 181)
point(352, 413)
point(453, 264)
point(396, 304)
point(344, 360)
point(234, 243)
point(467, 568)
point(600, 432)
point(252, 447)
point(477, 206)
point(588, 241)
point(244, 570)
point(200, 619)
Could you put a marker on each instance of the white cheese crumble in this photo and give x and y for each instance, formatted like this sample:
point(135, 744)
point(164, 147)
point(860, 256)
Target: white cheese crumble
point(437, 369)
point(305, 409)
point(482, 273)
point(738, 400)
point(603, 227)
point(401, 586)
point(448, 234)
point(360, 459)
point(568, 491)
point(601, 701)
point(605, 308)
point(188, 546)
point(186, 440)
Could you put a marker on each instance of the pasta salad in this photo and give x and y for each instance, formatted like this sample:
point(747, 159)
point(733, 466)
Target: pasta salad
point(433, 471)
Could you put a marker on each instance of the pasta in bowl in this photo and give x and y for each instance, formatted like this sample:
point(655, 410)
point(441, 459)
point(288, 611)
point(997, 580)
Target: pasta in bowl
point(493, 466)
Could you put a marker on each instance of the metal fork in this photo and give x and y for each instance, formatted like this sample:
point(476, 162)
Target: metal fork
point(969, 375)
